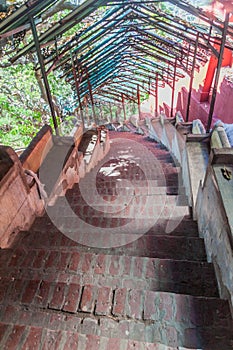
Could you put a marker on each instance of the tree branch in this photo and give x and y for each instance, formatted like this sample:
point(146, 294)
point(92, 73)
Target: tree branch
point(60, 6)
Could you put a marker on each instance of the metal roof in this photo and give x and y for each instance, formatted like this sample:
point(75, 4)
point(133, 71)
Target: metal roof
point(131, 43)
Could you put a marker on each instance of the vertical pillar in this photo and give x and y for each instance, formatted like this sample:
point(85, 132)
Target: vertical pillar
point(87, 111)
point(139, 102)
point(156, 93)
point(173, 88)
point(191, 78)
point(44, 75)
point(110, 109)
point(77, 90)
point(123, 105)
point(220, 58)
point(91, 96)
point(101, 111)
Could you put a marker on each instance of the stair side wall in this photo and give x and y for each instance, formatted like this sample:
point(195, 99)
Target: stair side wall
point(214, 213)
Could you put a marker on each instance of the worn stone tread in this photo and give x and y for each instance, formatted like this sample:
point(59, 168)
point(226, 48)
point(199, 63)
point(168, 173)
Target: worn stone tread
point(187, 277)
point(157, 292)
point(167, 318)
point(44, 338)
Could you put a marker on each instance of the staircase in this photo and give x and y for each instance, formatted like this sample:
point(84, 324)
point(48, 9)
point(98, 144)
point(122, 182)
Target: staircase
point(135, 274)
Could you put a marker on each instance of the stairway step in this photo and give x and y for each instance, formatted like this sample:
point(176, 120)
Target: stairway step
point(152, 244)
point(186, 277)
point(186, 227)
point(31, 337)
point(145, 316)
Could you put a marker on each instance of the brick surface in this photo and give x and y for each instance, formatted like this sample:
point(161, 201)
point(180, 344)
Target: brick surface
point(33, 340)
point(114, 344)
point(40, 259)
point(119, 302)
point(71, 341)
point(3, 332)
point(156, 292)
point(100, 264)
point(52, 340)
point(86, 262)
point(72, 298)
point(75, 260)
point(30, 292)
point(88, 299)
point(43, 294)
point(14, 338)
point(4, 284)
point(149, 306)
point(9, 314)
point(58, 298)
point(135, 304)
point(63, 261)
point(52, 260)
point(104, 301)
point(138, 267)
point(115, 265)
point(93, 342)
point(16, 258)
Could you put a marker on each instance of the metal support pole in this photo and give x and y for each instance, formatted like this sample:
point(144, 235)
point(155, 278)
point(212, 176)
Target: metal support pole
point(91, 96)
point(44, 75)
point(123, 105)
point(173, 88)
point(191, 79)
point(139, 103)
point(156, 93)
point(101, 112)
point(217, 74)
point(110, 108)
point(87, 113)
point(77, 90)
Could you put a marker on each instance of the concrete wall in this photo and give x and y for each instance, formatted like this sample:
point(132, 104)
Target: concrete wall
point(164, 132)
point(215, 220)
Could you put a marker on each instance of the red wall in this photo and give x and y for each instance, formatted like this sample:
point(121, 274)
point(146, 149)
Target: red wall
point(223, 105)
point(224, 102)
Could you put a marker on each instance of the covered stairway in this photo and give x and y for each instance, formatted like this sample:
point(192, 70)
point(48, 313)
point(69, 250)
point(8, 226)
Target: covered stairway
point(121, 52)
point(133, 276)
point(116, 262)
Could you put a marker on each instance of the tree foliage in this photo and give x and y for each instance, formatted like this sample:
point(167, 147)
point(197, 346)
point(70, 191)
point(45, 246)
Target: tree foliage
point(23, 104)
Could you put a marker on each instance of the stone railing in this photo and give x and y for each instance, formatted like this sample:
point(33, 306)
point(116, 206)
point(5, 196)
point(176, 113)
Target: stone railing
point(163, 131)
point(208, 178)
point(215, 219)
point(19, 203)
point(191, 150)
point(45, 170)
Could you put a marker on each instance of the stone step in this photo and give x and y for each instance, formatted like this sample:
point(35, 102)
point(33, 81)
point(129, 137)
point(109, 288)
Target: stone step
point(177, 245)
point(186, 227)
point(187, 224)
point(139, 208)
point(149, 186)
point(170, 319)
point(186, 277)
point(31, 337)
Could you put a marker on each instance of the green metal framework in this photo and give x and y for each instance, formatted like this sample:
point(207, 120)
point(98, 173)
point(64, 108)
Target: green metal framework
point(134, 45)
